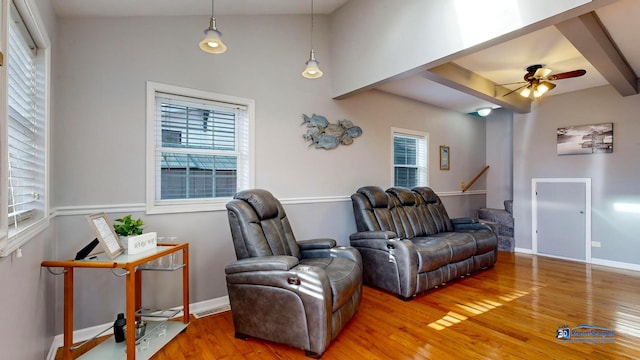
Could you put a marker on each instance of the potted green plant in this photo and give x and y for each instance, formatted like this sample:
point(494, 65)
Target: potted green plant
point(126, 226)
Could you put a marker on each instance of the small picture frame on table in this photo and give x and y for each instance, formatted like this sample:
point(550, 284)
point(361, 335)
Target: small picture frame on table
point(106, 235)
point(444, 157)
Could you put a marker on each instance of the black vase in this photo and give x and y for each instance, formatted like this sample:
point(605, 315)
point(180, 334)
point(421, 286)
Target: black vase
point(118, 328)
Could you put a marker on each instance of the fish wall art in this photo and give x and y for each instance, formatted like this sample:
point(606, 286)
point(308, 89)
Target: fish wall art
point(325, 135)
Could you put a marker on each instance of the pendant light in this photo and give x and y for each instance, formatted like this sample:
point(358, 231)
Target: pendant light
point(312, 71)
point(212, 42)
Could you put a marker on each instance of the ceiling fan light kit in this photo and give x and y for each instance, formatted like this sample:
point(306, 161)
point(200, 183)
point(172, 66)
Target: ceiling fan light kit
point(212, 42)
point(537, 81)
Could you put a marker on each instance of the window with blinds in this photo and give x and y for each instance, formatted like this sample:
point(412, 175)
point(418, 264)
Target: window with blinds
point(26, 174)
point(201, 148)
point(409, 158)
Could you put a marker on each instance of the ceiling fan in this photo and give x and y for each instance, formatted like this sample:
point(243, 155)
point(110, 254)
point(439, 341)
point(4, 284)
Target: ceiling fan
point(537, 81)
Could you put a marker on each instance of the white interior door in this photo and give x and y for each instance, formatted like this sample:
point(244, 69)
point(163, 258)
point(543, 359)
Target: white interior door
point(562, 218)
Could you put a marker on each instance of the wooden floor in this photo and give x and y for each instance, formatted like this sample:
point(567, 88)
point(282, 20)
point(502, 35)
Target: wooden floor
point(509, 312)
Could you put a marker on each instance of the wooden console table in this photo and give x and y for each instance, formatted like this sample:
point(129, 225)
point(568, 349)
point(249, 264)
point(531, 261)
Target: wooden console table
point(132, 266)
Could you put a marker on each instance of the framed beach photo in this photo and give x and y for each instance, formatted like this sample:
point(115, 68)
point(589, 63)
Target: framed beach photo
point(444, 157)
point(585, 139)
point(106, 235)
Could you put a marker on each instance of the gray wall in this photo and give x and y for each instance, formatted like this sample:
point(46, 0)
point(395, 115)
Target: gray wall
point(615, 176)
point(26, 329)
point(499, 157)
point(99, 149)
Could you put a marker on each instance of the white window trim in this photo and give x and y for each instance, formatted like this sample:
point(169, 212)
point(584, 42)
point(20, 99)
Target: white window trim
point(31, 16)
point(399, 131)
point(189, 205)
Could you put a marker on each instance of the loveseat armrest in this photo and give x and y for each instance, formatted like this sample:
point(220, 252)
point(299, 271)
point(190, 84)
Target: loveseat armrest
point(471, 226)
point(392, 262)
point(385, 235)
point(462, 220)
point(262, 263)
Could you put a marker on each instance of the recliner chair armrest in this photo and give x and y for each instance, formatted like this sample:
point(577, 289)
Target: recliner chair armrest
point(323, 248)
point(313, 244)
point(264, 263)
point(386, 235)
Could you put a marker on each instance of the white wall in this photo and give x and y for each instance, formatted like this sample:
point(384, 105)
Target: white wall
point(615, 176)
point(99, 136)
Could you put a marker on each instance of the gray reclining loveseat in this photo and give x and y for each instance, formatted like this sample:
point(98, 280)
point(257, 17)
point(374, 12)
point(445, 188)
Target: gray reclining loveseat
point(408, 243)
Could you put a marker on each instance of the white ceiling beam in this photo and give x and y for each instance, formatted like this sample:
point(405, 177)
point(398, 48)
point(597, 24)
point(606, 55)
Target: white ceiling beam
point(468, 82)
point(588, 35)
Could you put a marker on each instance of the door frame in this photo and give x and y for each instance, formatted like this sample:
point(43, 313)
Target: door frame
point(587, 223)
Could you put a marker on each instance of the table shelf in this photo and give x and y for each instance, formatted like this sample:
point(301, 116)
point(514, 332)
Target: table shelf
point(109, 349)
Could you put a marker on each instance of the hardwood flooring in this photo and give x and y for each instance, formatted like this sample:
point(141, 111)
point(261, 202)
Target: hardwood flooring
point(509, 312)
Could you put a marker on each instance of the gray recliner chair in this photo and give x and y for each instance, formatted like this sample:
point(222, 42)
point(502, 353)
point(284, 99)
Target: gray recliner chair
point(300, 294)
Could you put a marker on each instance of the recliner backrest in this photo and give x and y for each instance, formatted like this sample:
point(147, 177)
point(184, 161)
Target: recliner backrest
point(372, 209)
point(435, 208)
point(259, 225)
point(406, 212)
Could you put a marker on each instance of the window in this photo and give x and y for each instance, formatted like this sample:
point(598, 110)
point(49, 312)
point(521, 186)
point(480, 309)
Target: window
point(198, 152)
point(409, 158)
point(24, 123)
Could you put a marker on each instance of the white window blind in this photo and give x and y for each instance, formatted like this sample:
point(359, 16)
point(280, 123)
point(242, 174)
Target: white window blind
point(201, 151)
point(25, 124)
point(409, 159)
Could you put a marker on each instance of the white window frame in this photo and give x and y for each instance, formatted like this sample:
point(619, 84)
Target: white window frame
point(414, 134)
point(155, 206)
point(11, 241)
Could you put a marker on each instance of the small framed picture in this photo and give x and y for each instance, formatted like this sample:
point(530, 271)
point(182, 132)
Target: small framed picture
point(444, 157)
point(106, 235)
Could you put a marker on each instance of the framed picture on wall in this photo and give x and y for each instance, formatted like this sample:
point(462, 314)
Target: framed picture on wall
point(585, 139)
point(444, 157)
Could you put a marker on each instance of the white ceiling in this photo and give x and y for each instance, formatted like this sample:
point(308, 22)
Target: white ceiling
point(506, 62)
point(81, 8)
point(502, 63)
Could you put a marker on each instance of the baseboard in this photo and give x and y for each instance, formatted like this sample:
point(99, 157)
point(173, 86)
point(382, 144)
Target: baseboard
point(615, 264)
point(523, 250)
point(594, 261)
point(88, 333)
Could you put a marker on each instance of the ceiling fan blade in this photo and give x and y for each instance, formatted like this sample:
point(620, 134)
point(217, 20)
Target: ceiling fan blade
point(541, 73)
point(513, 83)
point(568, 74)
point(514, 90)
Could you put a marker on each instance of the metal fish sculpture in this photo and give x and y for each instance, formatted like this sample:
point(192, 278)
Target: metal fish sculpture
point(324, 135)
point(327, 142)
point(315, 120)
point(353, 132)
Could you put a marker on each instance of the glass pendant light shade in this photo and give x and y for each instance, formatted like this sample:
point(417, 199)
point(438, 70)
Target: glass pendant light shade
point(526, 91)
point(212, 42)
point(312, 71)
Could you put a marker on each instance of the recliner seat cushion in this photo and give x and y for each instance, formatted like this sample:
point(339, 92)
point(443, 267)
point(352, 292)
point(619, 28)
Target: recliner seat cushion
point(432, 252)
point(485, 240)
point(344, 277)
